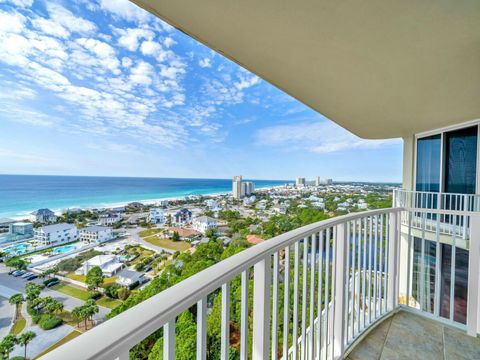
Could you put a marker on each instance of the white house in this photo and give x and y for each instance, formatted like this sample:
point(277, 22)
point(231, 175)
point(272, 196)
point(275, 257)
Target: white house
point(280, 209)
point(96, 234)
point(129, 277)
point(44, 216)
point(156, 216)
point(110, 265)
point(249, 200)
point(109, 218)
point(213, 205)
point(56, 233)
point(203, 223)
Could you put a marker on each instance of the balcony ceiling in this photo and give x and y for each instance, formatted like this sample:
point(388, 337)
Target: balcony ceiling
point(378, 68)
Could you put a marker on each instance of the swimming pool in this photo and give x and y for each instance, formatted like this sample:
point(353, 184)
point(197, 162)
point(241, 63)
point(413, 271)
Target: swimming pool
point(18, 249)
point(63, 249)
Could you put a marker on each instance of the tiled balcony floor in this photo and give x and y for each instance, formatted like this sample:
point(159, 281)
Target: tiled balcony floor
point(408, 336)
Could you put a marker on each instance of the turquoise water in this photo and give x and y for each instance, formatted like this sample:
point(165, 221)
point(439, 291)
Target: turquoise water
point(18, 249)
point(63, 249)
point(22, 194)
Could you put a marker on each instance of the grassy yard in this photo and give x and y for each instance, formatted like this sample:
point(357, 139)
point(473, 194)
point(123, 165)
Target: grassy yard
point(72, 291)
point(140, 250)
point(168, 244)
point(18, 326)
point(82, 278)
point(108, 303)
point(66, 339)
point(149, 232)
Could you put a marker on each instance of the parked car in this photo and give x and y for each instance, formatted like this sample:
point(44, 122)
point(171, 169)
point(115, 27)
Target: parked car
point(148, 269)
point(11, 272)
point(19, 273)
point(32, 277)
point(52, 283)
point(26, 275)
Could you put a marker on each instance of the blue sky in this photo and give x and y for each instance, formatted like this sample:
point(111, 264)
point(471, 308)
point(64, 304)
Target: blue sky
point(104, 88)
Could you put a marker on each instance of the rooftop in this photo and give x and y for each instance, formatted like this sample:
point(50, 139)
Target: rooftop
point(57, 227)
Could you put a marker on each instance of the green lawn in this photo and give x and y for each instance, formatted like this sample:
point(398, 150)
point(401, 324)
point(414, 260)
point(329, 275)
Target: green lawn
point(82, 278)
point(149, 232)
point(108, 303)
point(72, 291)
point(168, 244)
point(66, 339)
point(18, 326)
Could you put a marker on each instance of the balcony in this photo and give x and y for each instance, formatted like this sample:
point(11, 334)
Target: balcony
point(317, 292)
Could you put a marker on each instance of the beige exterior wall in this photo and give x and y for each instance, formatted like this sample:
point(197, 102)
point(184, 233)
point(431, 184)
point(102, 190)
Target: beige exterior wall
point(408, 162)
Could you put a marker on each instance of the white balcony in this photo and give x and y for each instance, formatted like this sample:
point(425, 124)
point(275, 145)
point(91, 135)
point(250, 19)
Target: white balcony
point(368, 268)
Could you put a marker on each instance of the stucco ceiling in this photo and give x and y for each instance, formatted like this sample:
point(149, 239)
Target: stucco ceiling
point(379, 68)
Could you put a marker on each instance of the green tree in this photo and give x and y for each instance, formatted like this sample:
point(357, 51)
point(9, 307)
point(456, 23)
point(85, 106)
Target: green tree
point(32, 291)
point(51, 306)
point(25, 339)
point(7, 345)
point(17, 263)
point(79, 314)
point(16, 300)
point(94, 278)
point(175, 236)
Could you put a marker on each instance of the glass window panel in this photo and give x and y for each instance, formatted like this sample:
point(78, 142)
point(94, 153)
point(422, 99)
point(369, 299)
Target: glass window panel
point(445, 280)
point(461, 285)
point(428, 164)
point(461, 161)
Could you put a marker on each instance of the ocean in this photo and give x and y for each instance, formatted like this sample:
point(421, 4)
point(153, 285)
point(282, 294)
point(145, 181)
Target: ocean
point(22, 194)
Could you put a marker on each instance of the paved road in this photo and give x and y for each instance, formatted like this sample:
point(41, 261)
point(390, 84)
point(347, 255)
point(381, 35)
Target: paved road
point(6, 315)
point(10, 285)
point(43, 340)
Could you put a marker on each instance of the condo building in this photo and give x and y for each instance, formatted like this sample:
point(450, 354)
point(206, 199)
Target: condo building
point(96, 234)
point(55, 234)
point(237, 188)
point(300, 182)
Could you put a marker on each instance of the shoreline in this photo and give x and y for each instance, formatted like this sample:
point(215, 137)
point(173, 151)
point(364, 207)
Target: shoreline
point(105, 206)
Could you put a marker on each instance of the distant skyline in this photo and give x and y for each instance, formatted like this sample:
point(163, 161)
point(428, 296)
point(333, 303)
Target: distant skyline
point(103, 88)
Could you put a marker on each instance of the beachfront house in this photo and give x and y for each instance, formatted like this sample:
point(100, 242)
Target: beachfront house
point(55, 234)
point(96, 234)
point(182, 217)
point(110, 265)
point(109, 218)
point(203, 223)
point(156, 216)
point(44, 216)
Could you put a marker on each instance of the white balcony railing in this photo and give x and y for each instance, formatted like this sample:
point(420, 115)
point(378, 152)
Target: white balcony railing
point(335, 279)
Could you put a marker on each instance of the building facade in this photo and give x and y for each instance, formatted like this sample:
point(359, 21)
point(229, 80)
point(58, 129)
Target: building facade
point(237, 192)
point(203, 223)
point(156, 216)
point(56, 234)
point(182, 216)
point(96, 234)
point(300, 182)
point(21, 228)
point(44, 216)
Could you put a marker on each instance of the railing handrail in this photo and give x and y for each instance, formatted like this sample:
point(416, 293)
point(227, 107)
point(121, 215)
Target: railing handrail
point(124, 331)
point(434, 192)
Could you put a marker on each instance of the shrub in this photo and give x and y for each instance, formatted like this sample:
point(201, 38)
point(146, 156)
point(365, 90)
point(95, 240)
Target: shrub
point(31, 310)
point(36, 318)
point(112, 291)
point(123, 293)
point(17, 358)
point(48, 322)
point(95, 295)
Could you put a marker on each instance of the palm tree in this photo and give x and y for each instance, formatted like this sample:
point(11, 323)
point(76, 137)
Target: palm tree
point(25, 339)
point(77, 314)
point(16, 300)
point(7, 345)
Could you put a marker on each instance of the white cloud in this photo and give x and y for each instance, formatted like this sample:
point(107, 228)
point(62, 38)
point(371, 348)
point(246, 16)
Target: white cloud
point(50, 27)
point(246, 82)
point(11, 22)
point(125, 9)
point(142, 74)
point(168, 41)
point(130, 38)
point(65, 18)
point(19, 3)
point(318, 137)
point(205, 63)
